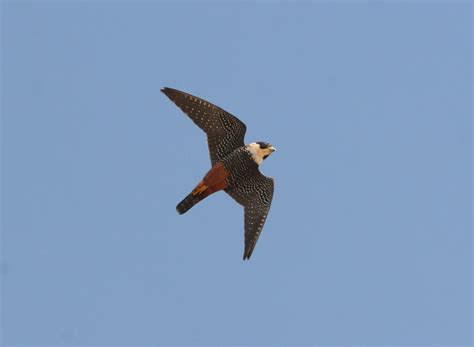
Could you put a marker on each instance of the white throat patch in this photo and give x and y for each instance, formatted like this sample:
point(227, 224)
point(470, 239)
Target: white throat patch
point(256, 152)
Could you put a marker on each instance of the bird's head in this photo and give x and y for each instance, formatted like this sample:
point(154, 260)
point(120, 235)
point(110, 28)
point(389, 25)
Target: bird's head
point(260, 151)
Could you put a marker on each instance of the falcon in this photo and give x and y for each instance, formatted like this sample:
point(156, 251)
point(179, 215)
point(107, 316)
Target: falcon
point(234, 165)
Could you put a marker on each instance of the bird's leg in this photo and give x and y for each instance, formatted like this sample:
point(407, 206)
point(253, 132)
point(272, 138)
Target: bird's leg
point(200, 188)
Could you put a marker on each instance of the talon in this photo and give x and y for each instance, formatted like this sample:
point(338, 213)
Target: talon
point(199, 190)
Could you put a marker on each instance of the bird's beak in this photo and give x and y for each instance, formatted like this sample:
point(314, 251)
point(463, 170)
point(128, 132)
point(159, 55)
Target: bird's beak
point(273, 149)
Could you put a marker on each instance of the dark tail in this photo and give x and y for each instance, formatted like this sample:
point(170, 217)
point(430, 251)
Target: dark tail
point(189, 202)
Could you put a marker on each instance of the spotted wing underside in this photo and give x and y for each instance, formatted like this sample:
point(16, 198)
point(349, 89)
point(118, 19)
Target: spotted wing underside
point(256, 197)
point(225, 132)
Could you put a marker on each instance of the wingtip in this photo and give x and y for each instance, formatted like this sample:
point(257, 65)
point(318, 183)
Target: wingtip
point(170, 92)
point(248, 250)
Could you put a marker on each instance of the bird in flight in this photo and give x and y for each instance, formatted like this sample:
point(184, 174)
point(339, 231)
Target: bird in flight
point(235, 166)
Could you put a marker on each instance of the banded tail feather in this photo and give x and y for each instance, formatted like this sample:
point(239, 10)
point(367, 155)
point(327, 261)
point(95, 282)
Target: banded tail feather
point(188, 202)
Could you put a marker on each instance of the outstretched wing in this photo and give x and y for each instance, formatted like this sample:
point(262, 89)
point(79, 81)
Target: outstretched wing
point(256, 197)
point(225, 132)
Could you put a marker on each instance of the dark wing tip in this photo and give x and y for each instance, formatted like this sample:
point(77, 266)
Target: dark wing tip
point(173, 94)
point(166, 90)
point(248, 251)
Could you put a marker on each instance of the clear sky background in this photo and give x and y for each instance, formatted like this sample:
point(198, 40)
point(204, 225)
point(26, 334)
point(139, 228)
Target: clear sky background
point(369, 237)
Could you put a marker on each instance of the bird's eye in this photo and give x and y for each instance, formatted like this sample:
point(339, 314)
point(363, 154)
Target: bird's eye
point(263, 145)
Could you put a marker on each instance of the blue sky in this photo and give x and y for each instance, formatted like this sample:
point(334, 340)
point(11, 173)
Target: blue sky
point(369, 237)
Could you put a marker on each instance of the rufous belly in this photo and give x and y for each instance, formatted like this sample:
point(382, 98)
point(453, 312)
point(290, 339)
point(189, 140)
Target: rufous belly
point(215, 180)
